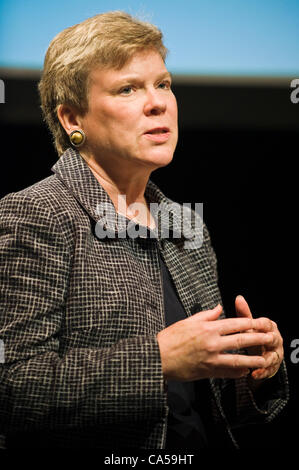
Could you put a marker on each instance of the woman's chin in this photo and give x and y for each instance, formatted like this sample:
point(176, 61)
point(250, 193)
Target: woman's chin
point(158, 159)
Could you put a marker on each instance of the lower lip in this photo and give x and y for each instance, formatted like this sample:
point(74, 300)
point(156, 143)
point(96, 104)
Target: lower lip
point(159, 138)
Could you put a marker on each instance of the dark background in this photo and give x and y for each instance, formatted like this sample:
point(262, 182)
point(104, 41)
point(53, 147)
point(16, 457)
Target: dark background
point(237, 153)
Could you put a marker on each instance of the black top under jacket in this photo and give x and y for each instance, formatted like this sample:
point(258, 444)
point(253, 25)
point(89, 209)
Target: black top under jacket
point(185, 426)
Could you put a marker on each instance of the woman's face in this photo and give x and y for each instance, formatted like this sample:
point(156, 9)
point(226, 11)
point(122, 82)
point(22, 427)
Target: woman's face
point(132, 115)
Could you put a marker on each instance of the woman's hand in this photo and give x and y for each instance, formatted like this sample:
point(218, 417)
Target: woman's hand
point(198, 346)
point(272, 352)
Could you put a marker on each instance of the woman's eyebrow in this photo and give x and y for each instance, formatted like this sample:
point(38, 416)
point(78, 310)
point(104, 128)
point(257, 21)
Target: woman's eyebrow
point(137, 78)
point(165, 75)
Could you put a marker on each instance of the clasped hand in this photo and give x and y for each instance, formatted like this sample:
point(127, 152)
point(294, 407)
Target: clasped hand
point(204, 346)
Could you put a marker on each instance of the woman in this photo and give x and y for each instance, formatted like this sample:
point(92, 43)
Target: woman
point(111, 341)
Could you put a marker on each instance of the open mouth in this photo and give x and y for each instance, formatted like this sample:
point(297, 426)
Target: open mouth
point(158, 130)
point(158, 135)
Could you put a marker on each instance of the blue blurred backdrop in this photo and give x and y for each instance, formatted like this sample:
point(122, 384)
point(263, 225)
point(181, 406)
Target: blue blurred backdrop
point(220, 37)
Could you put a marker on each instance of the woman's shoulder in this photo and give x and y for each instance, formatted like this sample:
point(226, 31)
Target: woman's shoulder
point(37, 192)
point(49, 191)
point(48, 198)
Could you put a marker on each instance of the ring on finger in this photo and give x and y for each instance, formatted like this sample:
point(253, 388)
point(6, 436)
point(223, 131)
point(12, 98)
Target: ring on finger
point(278, 356)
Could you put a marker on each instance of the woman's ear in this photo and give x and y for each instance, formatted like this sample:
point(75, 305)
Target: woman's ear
point(68, 117)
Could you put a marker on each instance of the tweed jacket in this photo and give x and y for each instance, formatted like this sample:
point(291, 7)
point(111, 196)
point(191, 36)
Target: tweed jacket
point(79, 315)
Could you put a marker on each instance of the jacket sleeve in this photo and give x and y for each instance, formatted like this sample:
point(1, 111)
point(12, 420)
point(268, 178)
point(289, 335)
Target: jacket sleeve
point(39, 387)
point(263, 404)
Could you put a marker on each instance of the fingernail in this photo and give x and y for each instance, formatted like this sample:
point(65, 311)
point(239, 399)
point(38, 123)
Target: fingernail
point(255, 375)
point(259, 376)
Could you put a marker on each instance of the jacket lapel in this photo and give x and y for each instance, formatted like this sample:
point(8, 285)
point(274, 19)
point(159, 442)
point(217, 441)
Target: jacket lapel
point(76, 175)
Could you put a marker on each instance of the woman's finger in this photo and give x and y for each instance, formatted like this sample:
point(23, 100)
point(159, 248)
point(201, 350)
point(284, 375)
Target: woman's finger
point(244, 340)
point(242, 307)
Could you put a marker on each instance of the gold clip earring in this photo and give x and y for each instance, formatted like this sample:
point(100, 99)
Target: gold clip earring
point(77, 138)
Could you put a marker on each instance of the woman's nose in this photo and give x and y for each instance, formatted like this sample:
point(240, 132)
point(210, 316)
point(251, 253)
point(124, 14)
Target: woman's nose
point(155, 103)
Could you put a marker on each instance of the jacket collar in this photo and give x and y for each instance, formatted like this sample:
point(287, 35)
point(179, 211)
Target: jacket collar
point(76, 175)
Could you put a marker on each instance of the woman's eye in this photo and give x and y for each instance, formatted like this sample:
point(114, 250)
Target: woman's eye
point(165, 85)
point(127, 90)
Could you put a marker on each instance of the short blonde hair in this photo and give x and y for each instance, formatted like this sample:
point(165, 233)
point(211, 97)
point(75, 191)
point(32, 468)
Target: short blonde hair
point(108, 40)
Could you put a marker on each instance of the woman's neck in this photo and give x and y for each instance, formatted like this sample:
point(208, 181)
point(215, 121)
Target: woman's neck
point(126, 194)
